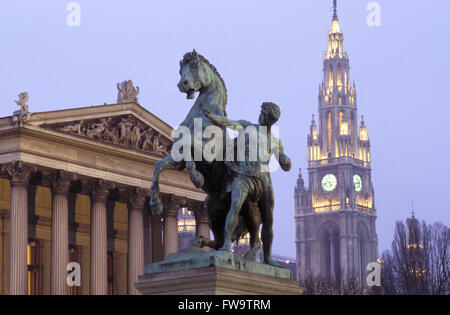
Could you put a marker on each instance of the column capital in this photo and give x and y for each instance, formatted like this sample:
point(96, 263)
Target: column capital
point(136, 197)
point(100, 189)
point(172, 203)
point(19, 172)
point(59, 181)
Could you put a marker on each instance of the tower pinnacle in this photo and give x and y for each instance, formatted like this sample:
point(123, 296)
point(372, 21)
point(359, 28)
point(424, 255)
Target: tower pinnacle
point(335, 17)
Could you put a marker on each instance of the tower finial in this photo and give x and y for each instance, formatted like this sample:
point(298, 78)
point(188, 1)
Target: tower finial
point(335, 17)
point(412, 214)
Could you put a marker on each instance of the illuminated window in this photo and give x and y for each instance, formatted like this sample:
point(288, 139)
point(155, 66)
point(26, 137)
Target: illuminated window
point(363, 134)
point(34, 266)
point(344, 129)
point(330, 132)
point(330, 79)
point(314, 133)
point(339, 76)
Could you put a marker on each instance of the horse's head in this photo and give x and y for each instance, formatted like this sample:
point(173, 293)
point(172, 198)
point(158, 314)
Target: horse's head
point(195, 74)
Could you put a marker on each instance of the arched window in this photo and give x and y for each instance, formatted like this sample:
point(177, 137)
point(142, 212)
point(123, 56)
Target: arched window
point(345, 78)
point(330, 131)
point(331, 79)
point(363, 238)
point(339, 76)
point(329, 237)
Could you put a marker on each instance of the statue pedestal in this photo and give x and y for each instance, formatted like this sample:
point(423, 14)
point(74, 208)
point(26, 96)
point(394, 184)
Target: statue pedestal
point(196, 272)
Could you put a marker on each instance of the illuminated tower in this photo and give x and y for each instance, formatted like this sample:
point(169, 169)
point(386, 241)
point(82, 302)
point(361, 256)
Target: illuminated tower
point(416, 261)
point(335, 215)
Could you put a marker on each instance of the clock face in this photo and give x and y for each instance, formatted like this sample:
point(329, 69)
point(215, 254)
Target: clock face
point(329, 182)
point(357, 182)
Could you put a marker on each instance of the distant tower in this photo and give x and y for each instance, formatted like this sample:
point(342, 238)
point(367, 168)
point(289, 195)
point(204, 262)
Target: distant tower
point(335, 216)
point(417, 278)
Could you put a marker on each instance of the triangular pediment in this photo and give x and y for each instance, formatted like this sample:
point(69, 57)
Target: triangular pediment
point(125, 125)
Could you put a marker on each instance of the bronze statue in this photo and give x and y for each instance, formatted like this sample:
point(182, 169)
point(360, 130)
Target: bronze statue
point(240, 197)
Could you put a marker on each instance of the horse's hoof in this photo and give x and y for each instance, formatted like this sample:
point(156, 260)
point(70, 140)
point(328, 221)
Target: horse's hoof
point(198, 242)
point(156, 206)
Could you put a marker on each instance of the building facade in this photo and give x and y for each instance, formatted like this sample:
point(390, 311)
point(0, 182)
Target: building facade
point(335, 214)
point(74, 187)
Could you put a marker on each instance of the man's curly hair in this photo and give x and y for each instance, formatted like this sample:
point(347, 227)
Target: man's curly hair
point(273, 109)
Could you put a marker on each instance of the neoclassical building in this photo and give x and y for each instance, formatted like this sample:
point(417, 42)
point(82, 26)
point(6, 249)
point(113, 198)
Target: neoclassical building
point(74, 187)
point(335, 213)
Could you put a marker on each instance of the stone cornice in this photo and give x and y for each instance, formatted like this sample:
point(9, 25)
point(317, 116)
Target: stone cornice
point(82, 143)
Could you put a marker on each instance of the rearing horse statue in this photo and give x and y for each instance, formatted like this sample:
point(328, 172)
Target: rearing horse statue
point(199, 75)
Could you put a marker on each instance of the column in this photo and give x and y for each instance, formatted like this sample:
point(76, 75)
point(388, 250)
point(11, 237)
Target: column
point(136, 198)
point(171, 206)
point(20, 174)
point(60, 182)
point(99, 240)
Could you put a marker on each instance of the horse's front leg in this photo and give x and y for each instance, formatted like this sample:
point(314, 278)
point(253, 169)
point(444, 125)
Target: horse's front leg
point(196, 177)
point(166, 163)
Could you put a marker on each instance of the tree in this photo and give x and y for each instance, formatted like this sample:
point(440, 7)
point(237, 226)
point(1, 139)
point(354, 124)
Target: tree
point(439, 261)
point(418, 262)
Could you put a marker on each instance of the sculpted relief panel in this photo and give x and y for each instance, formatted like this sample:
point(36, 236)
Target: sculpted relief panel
point(122, 130)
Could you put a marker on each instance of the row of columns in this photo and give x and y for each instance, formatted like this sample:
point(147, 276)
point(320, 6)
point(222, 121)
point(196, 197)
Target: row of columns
point(60, 182)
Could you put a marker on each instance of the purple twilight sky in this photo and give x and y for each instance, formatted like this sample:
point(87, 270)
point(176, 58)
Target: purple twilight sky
point(265, 51)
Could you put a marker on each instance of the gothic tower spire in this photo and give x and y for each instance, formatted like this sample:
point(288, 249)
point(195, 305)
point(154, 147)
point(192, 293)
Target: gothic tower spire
point(335, 17)
point(335, 211)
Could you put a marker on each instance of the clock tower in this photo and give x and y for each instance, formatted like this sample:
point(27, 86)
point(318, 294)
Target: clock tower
point(335, 213)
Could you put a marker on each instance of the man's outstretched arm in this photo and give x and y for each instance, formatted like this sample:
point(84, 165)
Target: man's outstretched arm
point(282, 158)
point(223, 121)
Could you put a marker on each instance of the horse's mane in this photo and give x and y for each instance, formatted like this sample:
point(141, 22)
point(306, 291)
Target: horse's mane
point(189, 57)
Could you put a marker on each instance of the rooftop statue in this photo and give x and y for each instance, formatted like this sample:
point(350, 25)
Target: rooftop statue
point(23, 115)
point(240, 195)
point(22, 102)
point(127, 92)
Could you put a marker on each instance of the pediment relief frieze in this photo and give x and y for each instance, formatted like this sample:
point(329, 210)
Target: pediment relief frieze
point(126, 131)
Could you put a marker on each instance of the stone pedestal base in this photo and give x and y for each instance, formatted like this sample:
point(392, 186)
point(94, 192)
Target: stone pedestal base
point(215, 273)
